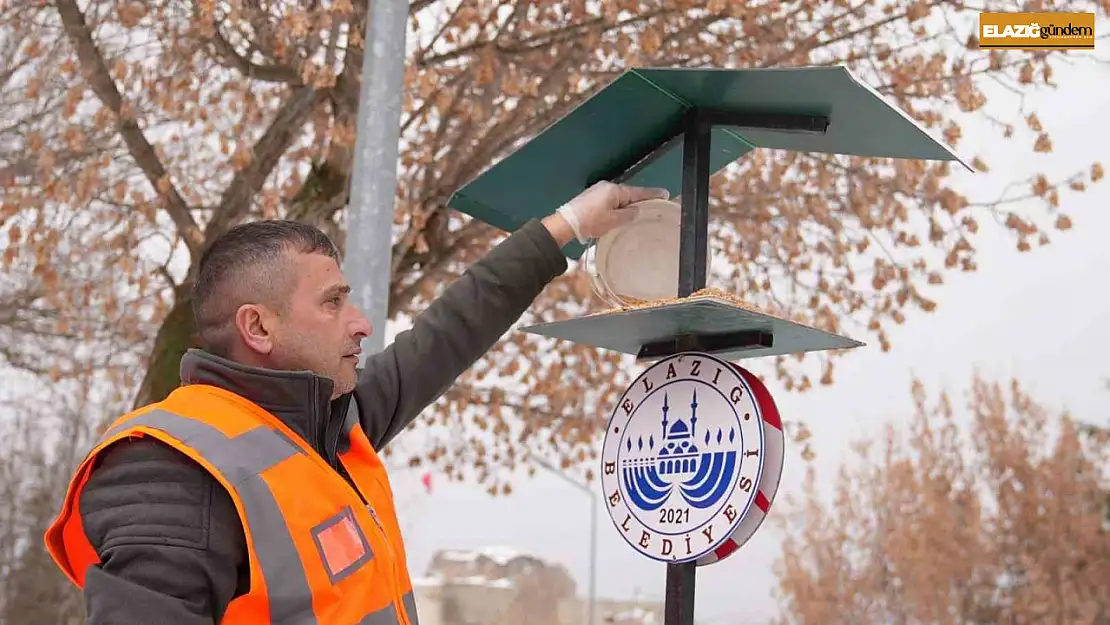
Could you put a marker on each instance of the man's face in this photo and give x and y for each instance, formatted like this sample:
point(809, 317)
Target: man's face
point(320, 329)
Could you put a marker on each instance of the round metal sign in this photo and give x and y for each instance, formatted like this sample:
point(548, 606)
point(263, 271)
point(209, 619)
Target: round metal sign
point(683, 457)
point(773, 456)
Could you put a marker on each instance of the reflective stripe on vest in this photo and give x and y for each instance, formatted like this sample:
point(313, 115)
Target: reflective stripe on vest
point(388, 614)
point(242, 459)
point(410, 608)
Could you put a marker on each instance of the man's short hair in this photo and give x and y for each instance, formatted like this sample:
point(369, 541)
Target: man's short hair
point(245, 266)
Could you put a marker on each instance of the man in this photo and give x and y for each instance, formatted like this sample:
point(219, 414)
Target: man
point(254, 492)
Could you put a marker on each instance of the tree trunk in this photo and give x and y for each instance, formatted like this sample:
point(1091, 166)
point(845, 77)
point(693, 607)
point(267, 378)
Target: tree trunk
point(175, 337)
point(323, 193)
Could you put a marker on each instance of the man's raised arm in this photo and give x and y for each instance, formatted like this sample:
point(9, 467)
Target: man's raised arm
point(477, 309)
point(458, 327)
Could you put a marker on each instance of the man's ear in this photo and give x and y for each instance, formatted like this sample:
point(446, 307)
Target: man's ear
point(252, 322)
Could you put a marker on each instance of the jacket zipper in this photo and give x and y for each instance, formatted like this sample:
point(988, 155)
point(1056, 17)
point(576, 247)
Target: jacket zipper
point(400, 605)
point(397, 603)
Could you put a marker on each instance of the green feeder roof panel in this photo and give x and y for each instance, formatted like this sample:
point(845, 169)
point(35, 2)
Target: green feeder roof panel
point(645, 108)
point(715, 325)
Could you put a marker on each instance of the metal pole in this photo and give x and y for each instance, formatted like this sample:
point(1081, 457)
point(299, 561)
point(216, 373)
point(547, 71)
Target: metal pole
point(374, 176)
point(693, 254)
point(592, 607)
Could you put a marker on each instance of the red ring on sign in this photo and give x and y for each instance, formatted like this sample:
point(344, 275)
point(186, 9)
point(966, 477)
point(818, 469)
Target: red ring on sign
point(774, 454)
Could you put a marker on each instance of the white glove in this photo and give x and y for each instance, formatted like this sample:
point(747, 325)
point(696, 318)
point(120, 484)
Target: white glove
point(599, 209)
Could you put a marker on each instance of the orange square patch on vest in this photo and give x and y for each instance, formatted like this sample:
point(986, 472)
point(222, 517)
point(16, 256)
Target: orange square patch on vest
point(341, 544)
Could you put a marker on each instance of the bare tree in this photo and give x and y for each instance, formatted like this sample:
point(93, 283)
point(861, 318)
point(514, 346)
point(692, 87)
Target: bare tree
point(993, 515)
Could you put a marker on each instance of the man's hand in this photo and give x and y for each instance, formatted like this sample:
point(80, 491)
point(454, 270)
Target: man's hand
point(597, 210)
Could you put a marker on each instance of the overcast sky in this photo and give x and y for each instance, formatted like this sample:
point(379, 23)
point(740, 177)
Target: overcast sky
point(1042, 316)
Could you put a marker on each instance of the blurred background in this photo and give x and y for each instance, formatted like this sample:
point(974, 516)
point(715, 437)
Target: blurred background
point(953, 470)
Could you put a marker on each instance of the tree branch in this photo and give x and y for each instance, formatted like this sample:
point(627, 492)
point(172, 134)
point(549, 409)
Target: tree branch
point(434, 266)
point(100, 79)
point(345, 94)
point(270, 73)
point(539, 40)
point(419, 5)
point(13, 305)
point(265, 155)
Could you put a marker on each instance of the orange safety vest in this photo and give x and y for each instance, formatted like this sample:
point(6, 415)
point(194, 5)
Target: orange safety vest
point(321, 553)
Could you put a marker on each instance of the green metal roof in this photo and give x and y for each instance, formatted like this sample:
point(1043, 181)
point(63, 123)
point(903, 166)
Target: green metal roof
point(642, 109)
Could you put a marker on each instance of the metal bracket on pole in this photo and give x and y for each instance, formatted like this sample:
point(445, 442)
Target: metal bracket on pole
point(707, 343)
point(797, 124)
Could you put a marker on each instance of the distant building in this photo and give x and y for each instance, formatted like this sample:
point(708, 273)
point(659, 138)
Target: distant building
point(499, 586)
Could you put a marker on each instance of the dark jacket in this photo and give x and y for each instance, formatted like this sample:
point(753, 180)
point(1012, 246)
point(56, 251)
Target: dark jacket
point(171, 545)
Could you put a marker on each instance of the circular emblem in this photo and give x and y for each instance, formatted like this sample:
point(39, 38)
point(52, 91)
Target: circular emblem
point(773, 455)
point(682, 457)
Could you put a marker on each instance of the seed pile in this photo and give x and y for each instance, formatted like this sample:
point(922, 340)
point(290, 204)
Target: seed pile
point(706, 293)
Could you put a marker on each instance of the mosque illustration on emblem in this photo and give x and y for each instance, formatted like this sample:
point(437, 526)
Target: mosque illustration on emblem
point(651, 471)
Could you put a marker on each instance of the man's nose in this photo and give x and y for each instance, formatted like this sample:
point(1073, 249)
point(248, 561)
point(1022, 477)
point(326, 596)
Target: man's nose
point(360, 325)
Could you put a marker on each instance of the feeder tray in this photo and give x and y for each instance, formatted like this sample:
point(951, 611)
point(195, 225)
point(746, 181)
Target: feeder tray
point(712, 324)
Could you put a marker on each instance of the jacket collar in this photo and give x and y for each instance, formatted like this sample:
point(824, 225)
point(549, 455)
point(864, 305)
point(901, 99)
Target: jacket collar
point(301, 399)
